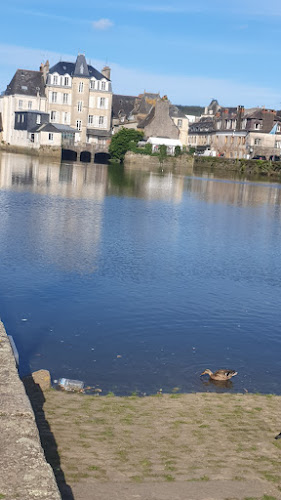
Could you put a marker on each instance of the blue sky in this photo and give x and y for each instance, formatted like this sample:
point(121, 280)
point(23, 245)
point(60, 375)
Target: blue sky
point(192, 51)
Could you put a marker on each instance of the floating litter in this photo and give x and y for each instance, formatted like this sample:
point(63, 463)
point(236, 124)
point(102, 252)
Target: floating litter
point(71, 385)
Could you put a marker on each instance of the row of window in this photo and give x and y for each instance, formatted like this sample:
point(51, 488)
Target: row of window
point(64, 98)
point(21, 102)
point(20, 118)
point(59, 80)
point(96, 121)
point(65, 81)
point(50, 137)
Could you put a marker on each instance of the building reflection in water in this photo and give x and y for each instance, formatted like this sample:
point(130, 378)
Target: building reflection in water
point(233, 192)
point(66, 232)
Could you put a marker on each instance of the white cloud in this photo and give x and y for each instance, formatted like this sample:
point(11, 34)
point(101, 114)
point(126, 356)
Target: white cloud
point(102, 24)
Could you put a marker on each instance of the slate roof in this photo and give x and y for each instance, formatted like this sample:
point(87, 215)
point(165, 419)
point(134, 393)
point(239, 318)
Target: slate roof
point(175, 112)
point(73, 69)
point(122, 105)
point(81, 66)
point(52, 127)
point(98, 132)
point(26, 82)
point(148, 119)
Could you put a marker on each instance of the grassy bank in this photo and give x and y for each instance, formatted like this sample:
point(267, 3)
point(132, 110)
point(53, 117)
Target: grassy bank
point(200, 440)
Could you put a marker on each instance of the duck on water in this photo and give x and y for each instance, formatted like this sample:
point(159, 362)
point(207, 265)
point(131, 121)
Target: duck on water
point(220, 375)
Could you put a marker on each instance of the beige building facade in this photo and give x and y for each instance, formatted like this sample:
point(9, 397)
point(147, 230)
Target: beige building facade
point(80, 96)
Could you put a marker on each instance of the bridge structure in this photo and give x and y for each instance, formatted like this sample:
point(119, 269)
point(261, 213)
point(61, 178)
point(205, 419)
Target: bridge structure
point(85, 152)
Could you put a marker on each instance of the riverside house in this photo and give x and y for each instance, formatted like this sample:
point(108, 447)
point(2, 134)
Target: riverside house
point(237, 132)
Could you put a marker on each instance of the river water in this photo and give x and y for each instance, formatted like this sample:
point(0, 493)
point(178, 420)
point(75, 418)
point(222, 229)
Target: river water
point(138, 281)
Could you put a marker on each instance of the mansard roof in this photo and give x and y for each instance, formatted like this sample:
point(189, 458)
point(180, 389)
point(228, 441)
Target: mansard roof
point(27, 83)
point(74, 69)
point(81, 67)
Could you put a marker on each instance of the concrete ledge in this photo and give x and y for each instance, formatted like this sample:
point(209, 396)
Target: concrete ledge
point(25, 474)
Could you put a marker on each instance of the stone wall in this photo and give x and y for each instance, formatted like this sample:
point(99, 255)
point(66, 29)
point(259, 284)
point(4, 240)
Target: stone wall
point(146, 162)
point(44, 151)
point(243, 166)
point(162, 124)
point(25, 474)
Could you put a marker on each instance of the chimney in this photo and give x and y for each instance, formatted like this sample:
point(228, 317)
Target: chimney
point(106, 72)
point(41, 68)
point(240, 113)
point(45, 70)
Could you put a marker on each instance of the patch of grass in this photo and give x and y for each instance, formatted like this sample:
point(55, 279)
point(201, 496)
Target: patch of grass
point(110, 394)
point(85, 445)
point(272, 477)
point(108, 433)
point(168, 477)
point(146, 463)
point(127, 420)
point(94, 467)
point(122, 455)
point(204, 426)
point(2, 496)
point(137, 479)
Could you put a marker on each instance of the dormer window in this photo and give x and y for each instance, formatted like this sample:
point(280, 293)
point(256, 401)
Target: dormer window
point(55, 80)
point(38, 119)
point(81, 69)
point(66, 81)
point(103, 86)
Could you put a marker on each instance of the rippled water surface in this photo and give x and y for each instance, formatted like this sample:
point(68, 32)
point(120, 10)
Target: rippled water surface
point(136, 281)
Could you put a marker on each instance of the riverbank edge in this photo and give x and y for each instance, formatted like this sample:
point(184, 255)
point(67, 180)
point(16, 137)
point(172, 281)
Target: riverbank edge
point(185, 161)
point(145, 162)
point(25, 473)
point(42, 152)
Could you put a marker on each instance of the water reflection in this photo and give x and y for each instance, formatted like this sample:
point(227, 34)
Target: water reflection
point(23, 173)
point(138, 280)
point(96, 181)
point(235, 192)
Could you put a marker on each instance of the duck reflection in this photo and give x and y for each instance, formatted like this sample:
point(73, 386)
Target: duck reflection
point(222, 384)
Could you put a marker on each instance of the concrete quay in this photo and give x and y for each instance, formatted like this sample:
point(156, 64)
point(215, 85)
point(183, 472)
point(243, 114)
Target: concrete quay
point(25, 473)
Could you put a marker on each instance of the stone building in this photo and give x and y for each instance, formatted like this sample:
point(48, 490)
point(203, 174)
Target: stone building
point(238, 132)
point(80, 96)
point(159, 127)
point(134, 112)
point(25, 92)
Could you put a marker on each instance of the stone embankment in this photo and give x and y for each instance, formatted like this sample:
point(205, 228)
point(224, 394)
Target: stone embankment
point(25, 474)
point(178, 164)
point(43, 151)
point(185, 163)
point(241, 166)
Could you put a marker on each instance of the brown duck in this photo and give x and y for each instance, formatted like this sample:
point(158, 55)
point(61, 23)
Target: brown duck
point(220, 375)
